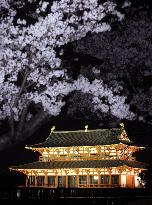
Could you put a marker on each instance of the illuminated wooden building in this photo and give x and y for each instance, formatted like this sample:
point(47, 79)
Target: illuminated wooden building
point(84, 158)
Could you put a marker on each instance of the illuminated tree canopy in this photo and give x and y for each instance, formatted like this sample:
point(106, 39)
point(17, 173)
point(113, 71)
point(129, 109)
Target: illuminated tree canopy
point(34, 78)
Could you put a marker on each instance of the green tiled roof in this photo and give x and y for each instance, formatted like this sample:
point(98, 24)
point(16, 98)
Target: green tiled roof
point(135, 164)
point(80, 164)
point(81, 138)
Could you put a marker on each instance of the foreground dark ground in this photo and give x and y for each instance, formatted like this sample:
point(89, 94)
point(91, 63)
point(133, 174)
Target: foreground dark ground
point(107, 196)
point(111, 201)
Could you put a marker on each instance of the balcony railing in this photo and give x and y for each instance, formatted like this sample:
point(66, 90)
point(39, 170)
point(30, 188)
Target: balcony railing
point(74, 157)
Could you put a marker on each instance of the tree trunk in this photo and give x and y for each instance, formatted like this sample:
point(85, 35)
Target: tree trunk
point(30, 128)
point(22, 119)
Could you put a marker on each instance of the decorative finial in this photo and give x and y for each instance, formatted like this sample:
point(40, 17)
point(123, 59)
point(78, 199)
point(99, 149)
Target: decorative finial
point(52, 129)
point(86, 128)
point(122, 126)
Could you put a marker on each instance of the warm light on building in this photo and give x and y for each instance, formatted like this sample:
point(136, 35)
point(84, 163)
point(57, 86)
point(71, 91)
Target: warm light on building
point(84, 159)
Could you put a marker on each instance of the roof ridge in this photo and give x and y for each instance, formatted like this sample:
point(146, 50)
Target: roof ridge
point(84, 130)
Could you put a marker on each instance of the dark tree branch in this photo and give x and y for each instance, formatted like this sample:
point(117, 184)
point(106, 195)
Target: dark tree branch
point(21, 90)
point(22, 119)
point(130, 81)
point(11, 123)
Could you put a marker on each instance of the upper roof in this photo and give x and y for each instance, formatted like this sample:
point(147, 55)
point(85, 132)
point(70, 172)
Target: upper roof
point(81, 164)
point(82, 138)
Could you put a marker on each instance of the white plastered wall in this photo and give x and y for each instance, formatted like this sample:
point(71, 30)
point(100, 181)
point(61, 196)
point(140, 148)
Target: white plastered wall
point(123, 180)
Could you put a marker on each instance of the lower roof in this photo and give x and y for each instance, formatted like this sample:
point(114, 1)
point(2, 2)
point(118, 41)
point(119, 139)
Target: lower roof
point(80, 164)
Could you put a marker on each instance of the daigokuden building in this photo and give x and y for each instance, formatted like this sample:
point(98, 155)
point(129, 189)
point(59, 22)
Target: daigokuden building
point(84, 159)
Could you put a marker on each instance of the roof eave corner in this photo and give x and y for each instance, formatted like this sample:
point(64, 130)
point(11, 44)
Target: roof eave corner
point(11, 169)
point(28, 147)
point(142, 147)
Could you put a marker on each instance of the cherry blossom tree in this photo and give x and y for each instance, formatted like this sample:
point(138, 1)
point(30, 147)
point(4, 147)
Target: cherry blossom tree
point(31, 72)
point(4, 4)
